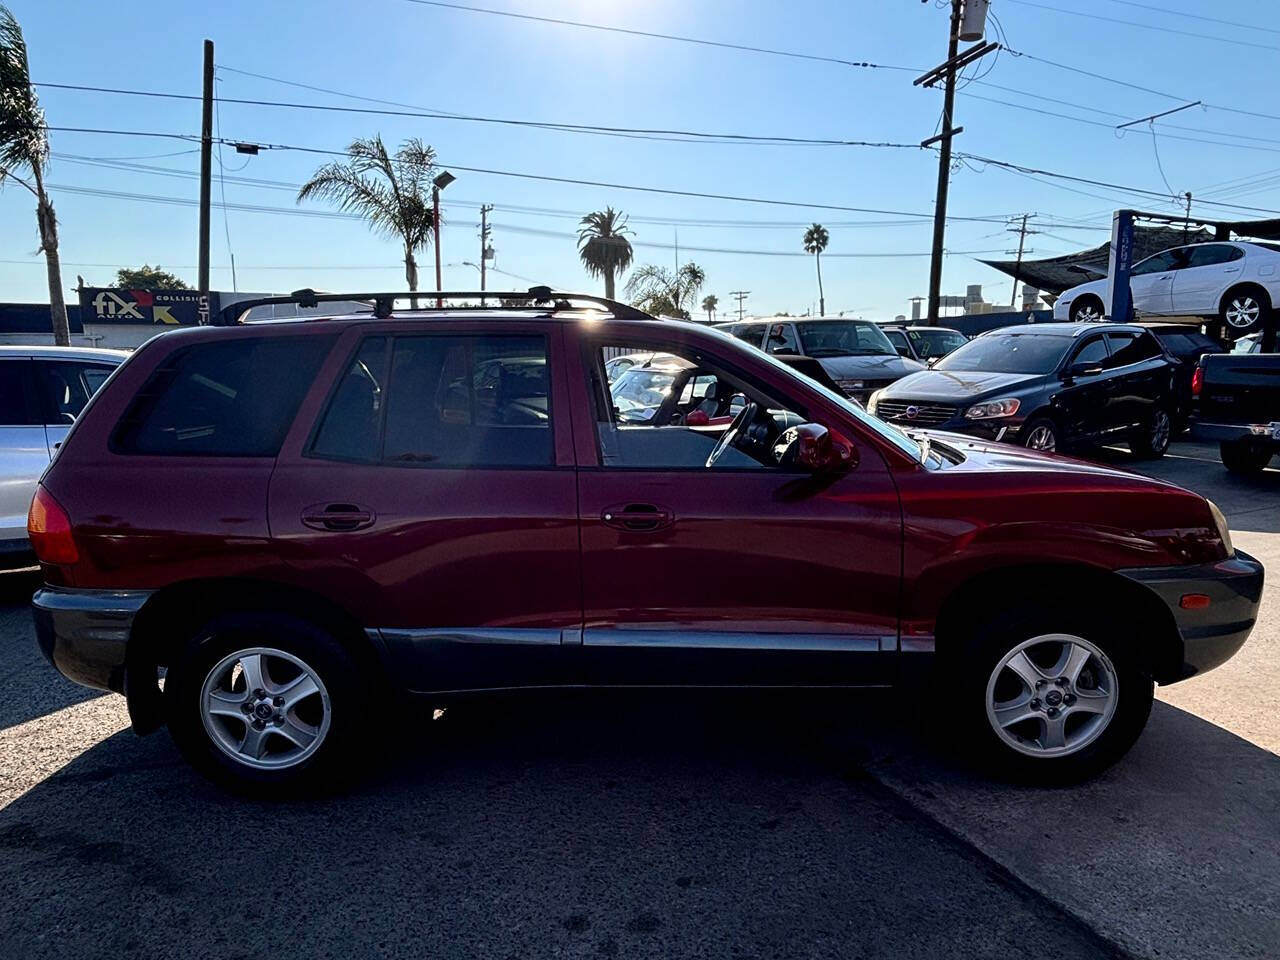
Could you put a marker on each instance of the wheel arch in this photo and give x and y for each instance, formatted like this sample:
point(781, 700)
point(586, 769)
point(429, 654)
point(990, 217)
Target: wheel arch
point(173, 612)
point(1086, 295)
point(1250, 285)
point(968, 604)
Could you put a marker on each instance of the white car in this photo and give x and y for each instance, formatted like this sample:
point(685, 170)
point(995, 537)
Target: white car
point(42, 391)
point(1236, 282)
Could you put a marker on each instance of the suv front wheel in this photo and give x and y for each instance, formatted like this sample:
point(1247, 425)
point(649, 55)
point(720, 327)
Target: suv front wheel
point(1054, 698)
point(265, 703)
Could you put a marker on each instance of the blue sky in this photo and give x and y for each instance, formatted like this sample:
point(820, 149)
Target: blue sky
point(461, 62)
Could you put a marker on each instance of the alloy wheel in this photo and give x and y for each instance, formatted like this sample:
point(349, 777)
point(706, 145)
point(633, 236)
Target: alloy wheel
point(1052, 695)
point(265, 708)
point(1088, 314)
point(1243, 311)
point(1042, 438)
point(1160, 428)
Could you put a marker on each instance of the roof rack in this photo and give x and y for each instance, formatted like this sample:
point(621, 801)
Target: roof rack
point(535, 298)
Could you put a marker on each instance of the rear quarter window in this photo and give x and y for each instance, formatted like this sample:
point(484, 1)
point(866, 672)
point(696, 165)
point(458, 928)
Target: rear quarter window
point(224, 398)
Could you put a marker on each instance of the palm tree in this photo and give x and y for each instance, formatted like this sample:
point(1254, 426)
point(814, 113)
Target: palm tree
point(709, 304)
point(604, 247)
point(660, 291)
point(392, 192)
point(816, 239)
point(24, 145)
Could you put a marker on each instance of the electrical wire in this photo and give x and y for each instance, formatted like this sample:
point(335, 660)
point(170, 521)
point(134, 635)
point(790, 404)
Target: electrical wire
point(1194, 16)
point(659, 36)
point(1145, 26)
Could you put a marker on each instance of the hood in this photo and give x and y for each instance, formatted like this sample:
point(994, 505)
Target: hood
point(956, 385)
point(880, 366)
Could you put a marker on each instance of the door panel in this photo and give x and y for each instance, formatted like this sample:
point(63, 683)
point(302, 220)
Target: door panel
point(1211, 268)
point(456, 531)
point(1082, 403)
point(1153, 293)
point(25, 452)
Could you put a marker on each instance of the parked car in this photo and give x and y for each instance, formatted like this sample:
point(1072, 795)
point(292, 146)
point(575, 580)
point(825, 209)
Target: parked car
point(1186, 344)
point(856, 353)
point(1239, 408)
point(1236, 282)
point(662, 388)
point(1047, 386)
point(1248, 344)
point(301, 523)
point(42, 391)
point(620, 365)
point(923, 343)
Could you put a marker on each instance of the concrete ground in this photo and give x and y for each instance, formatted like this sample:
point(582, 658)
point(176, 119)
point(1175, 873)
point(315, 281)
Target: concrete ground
point(747, 826)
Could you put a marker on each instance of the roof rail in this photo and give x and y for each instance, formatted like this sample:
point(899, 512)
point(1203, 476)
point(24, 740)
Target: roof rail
point(535, 298)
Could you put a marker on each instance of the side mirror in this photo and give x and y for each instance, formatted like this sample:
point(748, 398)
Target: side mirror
point(930, 361)
point(903, 352)
point(697, 418)
point(1083, 369)
point(812, 447)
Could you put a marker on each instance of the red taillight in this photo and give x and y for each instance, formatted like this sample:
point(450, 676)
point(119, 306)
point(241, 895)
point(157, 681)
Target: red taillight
point(49, 529)
point(1197, 381)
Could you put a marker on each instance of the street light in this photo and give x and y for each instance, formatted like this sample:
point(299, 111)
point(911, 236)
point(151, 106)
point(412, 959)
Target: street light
point(442, 180)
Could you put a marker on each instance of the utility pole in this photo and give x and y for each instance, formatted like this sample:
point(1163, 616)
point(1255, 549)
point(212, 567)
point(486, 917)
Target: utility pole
point(484, 240)
point(740, 296)
point(1022, 232)
point(206, 161)
point(944, 167)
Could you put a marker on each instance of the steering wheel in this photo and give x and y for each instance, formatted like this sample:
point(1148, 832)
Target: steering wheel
point(729, 438)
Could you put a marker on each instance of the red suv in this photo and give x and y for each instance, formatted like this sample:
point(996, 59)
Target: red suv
point(262, 533)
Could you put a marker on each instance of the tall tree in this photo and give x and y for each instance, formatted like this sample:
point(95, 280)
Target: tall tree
point(664, 292)
point(603, 246)
point(24, 146)
point(816, 239)
point(391, 191)
point(709, 304)
point(147, 277)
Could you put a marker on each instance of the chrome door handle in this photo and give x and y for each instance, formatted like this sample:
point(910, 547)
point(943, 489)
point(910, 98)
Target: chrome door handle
point(637, 517)
point(338, 517)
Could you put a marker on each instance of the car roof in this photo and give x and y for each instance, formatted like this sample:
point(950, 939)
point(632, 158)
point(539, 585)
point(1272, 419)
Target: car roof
point(895, 325)
point(63, 353)
point(1065, 329)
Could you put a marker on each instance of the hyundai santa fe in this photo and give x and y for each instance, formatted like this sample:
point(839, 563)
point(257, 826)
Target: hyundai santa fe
point(265, 534)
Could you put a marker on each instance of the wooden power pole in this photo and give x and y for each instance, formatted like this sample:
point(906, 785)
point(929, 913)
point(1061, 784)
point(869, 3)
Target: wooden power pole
point(206, 160)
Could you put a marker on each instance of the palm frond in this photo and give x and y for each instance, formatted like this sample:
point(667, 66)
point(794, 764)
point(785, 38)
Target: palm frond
point(23, 134)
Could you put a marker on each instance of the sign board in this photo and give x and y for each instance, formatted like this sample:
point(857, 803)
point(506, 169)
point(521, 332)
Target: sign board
point(145, 307)
point(1119, 305)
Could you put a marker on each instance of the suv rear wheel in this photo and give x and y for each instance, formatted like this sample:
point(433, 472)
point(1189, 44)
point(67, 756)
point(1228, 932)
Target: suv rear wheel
point(1151, 440)
point(1053, 697)
point(264, 701)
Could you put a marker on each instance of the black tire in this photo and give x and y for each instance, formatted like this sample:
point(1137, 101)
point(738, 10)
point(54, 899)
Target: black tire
point(1087, 308)
point(993, 640)
point(1037, 428)
point(1245, 456)
point(1152, 440)
point(1244, 309)
point(330, 762)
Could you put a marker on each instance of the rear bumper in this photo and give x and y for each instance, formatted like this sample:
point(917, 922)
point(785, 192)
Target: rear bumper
point(84, 632)
point(1211, 635)
point(1228, 432)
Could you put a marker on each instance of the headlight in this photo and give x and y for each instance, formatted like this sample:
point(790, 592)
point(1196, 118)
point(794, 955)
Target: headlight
point(873, 400)
point(993, 408)
point(1220, 522)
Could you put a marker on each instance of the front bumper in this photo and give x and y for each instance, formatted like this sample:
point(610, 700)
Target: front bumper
point(84, 632)
point(1002, 429)
point(1211, 635)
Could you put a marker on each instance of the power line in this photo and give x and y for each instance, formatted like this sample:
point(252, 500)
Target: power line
point(659, 36)
point(630, 132)
point(1144, 26)
point(1194, 16)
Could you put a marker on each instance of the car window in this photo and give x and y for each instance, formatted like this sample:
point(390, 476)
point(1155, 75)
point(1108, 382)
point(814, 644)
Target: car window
point(935, 343)
point(899, 341)
point(670, 416)
point(442, 400)
point(781, 339)
point(1179, 344)
point(222, 398)
point(65, 387)
point(1168, 260)
point(1127, 348)
point(1209, 254)
point(1001, 352)
point(748, 332)
point(1092, 351)
point(844, 338)
point(16, 406)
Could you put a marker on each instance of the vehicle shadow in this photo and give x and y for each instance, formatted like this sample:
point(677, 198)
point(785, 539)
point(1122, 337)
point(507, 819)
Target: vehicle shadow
point(575, 825)
point(1173, 852)
point(33, 688)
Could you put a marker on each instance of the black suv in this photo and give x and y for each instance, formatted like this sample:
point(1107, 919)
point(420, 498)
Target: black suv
point(1045, 386)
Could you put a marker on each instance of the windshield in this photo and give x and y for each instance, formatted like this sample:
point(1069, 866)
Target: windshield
point(1008, 353)
point(843, 338)
point(641, 389)
point(935, 343)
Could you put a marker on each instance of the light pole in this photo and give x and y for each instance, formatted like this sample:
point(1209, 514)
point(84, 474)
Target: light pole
point(439, 183)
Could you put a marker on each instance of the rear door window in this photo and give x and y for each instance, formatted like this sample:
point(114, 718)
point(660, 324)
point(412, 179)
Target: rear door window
point(442, 400)
point(65, 387)
point(222, 398)
point(1127, 348)
point(17, 406)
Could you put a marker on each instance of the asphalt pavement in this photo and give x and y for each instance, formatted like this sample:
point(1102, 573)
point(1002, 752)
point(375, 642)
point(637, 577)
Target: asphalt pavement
point(755, 825)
